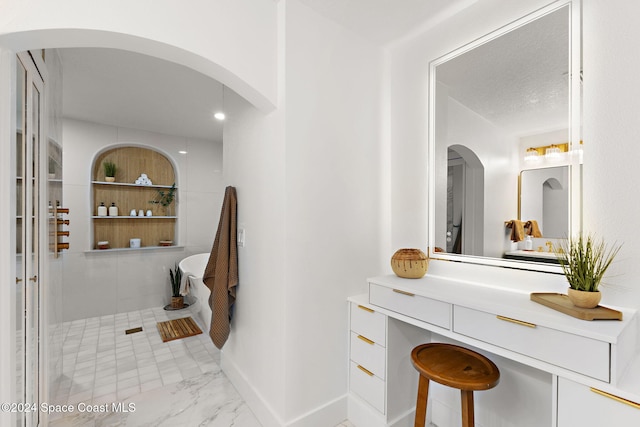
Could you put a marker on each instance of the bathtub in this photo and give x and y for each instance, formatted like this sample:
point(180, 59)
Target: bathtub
point(193, 267)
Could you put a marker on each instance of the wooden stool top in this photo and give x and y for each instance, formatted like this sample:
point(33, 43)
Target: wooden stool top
point(455, 366)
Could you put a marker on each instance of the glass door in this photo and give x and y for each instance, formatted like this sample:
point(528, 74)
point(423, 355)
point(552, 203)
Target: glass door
point(29, 106)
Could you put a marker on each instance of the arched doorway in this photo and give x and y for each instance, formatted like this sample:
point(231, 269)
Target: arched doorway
point(465, 202)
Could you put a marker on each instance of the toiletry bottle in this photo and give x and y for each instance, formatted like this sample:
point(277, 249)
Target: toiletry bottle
point(102, 209)
point(528, 243)
point(113, 210)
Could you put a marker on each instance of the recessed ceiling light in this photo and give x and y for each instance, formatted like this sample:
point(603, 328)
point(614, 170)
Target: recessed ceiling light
point(219, 116)
point(182, 152)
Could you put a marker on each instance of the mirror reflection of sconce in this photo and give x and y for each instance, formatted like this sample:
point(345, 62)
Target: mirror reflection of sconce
point(552, 151)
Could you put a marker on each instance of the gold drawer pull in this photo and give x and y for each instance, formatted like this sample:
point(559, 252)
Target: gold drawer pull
point(366, 308)
point(616, 398)
point(365, 370)
point(365, 339)
point(398, 291)
point(519, 322)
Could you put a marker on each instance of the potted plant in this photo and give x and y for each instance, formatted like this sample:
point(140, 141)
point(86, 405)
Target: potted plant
point(584, 261)
point(177, 300)
point(165, 198)
point(109, 171)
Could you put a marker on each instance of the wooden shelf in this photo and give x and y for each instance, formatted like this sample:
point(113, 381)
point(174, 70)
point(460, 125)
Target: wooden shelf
point(131, 162)
point(144, 248)
point(126, 184)
point(134, 217)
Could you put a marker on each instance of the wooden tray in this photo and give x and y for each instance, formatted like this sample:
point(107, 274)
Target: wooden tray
point(560, 302)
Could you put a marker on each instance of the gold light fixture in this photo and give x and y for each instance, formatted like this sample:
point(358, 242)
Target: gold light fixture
point(547, 151)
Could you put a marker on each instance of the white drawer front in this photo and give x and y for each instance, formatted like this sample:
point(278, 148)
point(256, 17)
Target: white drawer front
point(422, 308)
point(583, 355)
point(369, 387)
point(369, 323)
point(368, 354)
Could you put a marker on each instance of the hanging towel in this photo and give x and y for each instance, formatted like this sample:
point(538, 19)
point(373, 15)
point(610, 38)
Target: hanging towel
point(517, 230)
point(221, 272)
point(532, 228)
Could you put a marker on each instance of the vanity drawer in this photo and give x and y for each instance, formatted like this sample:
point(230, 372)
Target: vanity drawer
point(580, 354)
point(419, 307)
point(369, 323)
point(367, 386)
point(368, 354)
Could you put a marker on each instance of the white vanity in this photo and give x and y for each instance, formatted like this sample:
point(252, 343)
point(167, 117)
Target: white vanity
point(559, 370)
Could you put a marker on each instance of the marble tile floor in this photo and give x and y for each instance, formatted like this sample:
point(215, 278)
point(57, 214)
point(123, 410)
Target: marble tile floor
point(178, 383)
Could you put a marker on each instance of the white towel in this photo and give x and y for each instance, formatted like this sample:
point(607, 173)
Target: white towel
point(185, 284)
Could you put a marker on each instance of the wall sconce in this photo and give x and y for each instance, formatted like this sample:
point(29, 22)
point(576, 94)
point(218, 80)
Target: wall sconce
point(552, 151)
point(531, 155)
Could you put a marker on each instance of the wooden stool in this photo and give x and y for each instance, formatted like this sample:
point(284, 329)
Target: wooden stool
point(455, 367)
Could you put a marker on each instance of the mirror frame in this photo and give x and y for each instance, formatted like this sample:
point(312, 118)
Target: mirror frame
point(575, 127)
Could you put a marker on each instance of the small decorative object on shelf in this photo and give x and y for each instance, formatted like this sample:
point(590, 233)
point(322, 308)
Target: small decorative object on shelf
point(409, 263)
point(113, 210)
point(109, 171)
point(166, 242)
point(143, 179)
point(584, 261)
point(103, 244)
point(102, 209)
point(165, 198)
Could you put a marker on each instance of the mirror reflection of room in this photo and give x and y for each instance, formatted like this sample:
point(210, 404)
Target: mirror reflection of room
point(502, 143)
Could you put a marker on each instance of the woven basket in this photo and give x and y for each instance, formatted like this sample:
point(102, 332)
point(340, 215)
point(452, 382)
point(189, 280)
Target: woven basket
point(409, 263)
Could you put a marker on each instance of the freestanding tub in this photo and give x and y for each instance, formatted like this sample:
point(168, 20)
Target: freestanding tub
point(192, 268)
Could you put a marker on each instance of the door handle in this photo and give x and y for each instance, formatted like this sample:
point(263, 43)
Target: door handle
point(33, 279)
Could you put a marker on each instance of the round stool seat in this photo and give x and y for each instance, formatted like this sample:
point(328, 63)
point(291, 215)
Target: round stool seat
point(455, 366)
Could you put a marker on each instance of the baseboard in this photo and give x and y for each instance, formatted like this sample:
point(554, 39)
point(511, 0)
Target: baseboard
point(263, 412)
point(330, 414)
point(362, 415)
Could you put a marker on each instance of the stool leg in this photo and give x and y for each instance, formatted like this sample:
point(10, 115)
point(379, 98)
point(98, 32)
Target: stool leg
point(467, 408)
point(421, 403)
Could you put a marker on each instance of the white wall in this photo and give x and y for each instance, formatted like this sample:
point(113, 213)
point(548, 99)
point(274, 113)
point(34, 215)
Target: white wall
point(309, 181)
point(611, 103)
point(333, 187)
point(99, 283)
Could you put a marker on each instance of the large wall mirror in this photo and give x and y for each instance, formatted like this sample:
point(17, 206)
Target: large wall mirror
point(505, 144)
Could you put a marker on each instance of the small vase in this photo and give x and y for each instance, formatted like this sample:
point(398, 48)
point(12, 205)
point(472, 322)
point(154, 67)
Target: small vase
point(409, 263)
point(177, 302)
point(584, 299)
point(110, 178)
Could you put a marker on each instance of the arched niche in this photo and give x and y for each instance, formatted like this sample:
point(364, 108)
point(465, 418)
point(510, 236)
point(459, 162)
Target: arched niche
point(141, 215)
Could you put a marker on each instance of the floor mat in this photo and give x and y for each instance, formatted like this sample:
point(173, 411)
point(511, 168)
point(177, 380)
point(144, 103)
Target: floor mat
point(178, 328)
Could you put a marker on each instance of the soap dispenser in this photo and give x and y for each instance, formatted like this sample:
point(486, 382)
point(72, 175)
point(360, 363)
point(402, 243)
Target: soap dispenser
point(102, 209)
point(528, 243)
point(113, 210)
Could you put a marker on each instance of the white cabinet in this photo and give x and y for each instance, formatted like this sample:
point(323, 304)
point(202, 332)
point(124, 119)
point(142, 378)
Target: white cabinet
point(382, 380)
point(422, 308)
point(580, 405)
point(583, 355)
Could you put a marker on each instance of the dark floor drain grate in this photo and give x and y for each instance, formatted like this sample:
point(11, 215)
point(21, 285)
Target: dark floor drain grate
point(133, 330)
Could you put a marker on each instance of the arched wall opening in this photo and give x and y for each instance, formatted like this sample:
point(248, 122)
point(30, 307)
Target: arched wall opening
point(69, 38)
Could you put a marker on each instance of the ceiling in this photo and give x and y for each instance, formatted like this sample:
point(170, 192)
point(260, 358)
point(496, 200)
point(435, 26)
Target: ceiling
point(384, 21)
point(126, 89)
